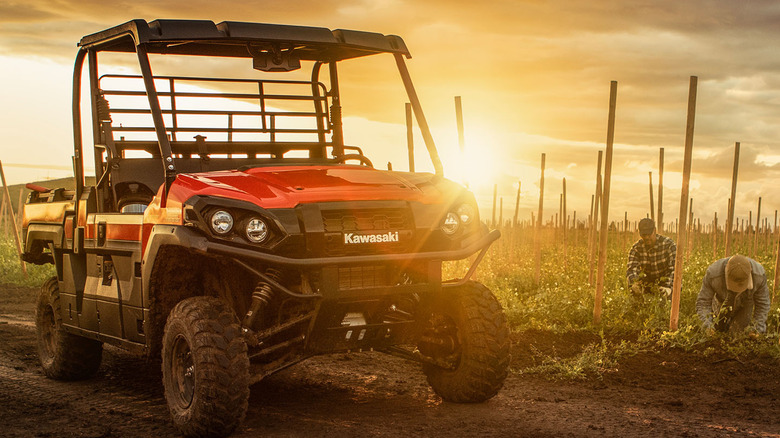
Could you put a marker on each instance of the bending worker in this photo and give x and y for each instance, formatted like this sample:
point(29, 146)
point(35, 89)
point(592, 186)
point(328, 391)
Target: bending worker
point(651, 261)
point(734, 291)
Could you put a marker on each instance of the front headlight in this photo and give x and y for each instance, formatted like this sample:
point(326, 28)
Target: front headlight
point(256, 230)
point(221, 222)
point(466, 213)
point(451, 224)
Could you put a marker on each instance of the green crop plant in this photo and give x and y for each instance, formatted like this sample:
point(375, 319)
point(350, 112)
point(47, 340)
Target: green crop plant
point(11, 269)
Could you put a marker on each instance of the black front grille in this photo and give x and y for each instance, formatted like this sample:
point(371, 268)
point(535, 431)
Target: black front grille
point(376, 219)
point(361, 277)
point(343, 226)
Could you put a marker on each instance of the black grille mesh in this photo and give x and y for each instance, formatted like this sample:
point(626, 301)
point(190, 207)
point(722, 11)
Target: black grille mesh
point(377, 219)
point(360, 277)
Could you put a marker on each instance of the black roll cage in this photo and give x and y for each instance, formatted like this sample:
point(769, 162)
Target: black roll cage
point(260, 41)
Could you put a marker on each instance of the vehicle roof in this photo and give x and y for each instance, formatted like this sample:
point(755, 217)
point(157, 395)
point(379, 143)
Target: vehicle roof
point(233, 38)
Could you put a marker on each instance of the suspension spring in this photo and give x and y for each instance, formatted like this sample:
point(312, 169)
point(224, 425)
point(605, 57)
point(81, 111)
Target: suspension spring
point(262, 296)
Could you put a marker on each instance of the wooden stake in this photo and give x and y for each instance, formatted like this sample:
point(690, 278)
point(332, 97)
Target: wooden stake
point(517, 204)
point(565, 221)
point(755, 231)
point(20, 209)
point(594, 229)
point(689, 241)
point(715, 237)
point(13, 222)
point(678, 265)
point(652, 207)
point(730, 218)
point(605, 204)
point(459, 118)
point(3, 218)
point(500, 213)
point(576, 228)
point(495, 193)
point(537, 234)
point(660, 223)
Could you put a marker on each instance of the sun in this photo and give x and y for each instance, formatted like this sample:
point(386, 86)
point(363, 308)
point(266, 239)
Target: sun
point(478, 165)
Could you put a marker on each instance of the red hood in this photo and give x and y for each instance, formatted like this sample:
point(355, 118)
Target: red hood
point(288, 186)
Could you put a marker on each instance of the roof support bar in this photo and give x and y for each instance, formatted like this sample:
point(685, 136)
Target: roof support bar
point(318, 107)
point(335, 111)
point(78, 162)
point(418, 113)
point(159, 124)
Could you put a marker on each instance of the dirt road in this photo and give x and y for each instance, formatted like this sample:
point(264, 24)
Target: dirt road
point(368, 394)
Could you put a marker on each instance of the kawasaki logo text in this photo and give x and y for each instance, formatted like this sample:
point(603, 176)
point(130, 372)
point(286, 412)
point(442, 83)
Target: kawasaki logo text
point(390, 236)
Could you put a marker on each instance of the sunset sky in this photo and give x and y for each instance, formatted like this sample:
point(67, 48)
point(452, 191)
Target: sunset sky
point(533, 75)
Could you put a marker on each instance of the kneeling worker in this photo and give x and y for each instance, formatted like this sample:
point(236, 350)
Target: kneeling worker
point(651, 261)
point(734, 291)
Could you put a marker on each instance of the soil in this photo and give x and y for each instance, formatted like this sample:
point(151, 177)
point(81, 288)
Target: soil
point(652, 393)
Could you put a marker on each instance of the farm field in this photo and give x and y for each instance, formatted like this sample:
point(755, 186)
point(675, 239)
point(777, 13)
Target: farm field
point(628, 375)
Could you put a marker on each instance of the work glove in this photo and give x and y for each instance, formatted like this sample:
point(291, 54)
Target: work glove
point(636, 289)
point(666, 292)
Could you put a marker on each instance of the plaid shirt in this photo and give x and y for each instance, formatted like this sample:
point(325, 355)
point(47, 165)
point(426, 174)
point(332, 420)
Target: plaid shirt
point(656, 261)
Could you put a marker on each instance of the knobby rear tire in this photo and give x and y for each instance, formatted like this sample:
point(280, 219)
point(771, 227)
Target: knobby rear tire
point(205, 368)
point(484, 344)
point(63, 356)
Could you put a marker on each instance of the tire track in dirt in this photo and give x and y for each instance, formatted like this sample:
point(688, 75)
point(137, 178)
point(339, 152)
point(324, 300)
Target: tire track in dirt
point(126, 395)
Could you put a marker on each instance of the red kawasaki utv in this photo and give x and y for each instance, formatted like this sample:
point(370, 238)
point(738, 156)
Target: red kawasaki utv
point(232, 232)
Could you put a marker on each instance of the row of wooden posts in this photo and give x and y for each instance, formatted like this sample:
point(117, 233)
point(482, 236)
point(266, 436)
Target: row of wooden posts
point(685, 226)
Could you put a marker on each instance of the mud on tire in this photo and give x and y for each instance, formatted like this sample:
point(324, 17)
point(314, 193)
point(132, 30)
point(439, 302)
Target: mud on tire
point(472, 322)
point(205, 368)
point(63, 356)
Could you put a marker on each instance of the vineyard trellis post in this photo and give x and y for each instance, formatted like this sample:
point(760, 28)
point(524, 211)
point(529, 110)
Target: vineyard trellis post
point(732, 203)
point(537, 234)
point(755, 230)
point(459, 119)
point(565, 222)
point(605, 204)
point(689, 235)
point(500, 212)
point(3, 220)
point(574, 225)
point(652, 206)
point(678, 263)
point(715, 237)
point(20, 208)
point(660, 215)
point(15, 228)
point(493, 217)
point(517, 204)
point(595, 221)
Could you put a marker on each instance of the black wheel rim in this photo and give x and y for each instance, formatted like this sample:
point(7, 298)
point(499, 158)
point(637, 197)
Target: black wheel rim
point(448, 344)
point(183, 371)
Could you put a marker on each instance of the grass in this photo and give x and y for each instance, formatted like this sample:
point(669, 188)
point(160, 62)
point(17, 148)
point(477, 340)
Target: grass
point(563, 301)
point(11, 269)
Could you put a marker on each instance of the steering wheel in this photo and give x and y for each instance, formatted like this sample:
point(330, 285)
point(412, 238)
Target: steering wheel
point(362, 158)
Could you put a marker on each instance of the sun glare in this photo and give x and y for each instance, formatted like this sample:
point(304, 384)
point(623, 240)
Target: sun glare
point(475, 169)
point(477, 166)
